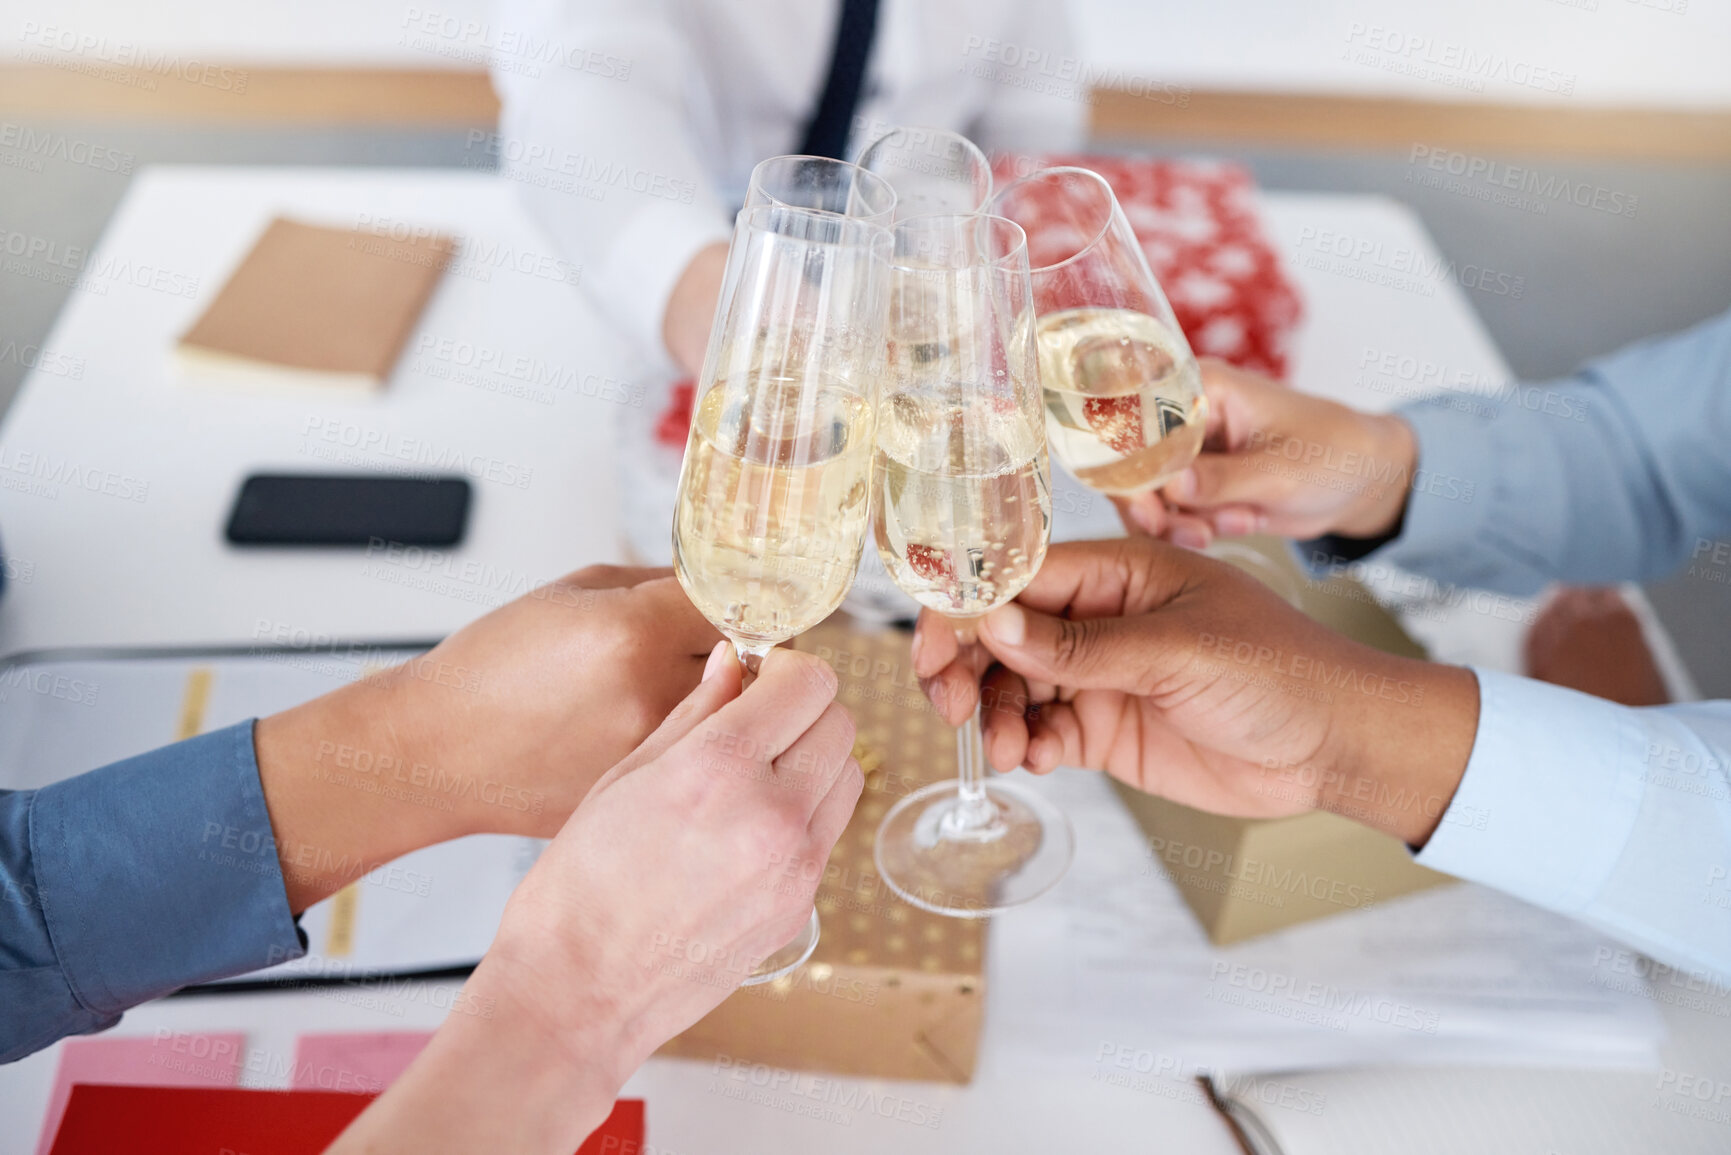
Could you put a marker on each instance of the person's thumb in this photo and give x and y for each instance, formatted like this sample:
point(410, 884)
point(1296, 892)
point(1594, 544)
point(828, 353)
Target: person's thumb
point(1108, 653)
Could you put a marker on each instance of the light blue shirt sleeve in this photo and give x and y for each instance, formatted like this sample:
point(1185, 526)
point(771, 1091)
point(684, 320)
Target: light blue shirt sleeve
point(1621, 472)
point(132, 881)
point(1615, 816)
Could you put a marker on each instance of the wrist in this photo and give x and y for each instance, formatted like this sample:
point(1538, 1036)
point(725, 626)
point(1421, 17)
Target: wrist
point(332, 771)
point(1408, 734)
point(1392, 457)
point(500, 1074)
point(576, 1048)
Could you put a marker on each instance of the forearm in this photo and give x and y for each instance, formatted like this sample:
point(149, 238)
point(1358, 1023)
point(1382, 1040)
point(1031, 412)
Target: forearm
point(691, 308)
point(339, 779)
point(499, 1075)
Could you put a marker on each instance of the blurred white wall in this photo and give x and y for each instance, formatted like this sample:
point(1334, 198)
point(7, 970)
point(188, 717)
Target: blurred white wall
point(1579, 52)
point(1622, 52)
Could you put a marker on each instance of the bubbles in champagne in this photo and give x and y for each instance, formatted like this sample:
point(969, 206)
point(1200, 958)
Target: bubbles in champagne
point(1124, 403)
point(773, 503)
point(964, 507)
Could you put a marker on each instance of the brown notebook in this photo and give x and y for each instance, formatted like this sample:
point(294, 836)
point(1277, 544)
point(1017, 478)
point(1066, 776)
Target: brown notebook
point(312, 305)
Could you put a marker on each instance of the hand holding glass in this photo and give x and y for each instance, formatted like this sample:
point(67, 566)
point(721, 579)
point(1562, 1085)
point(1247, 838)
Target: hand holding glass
point(774, 492)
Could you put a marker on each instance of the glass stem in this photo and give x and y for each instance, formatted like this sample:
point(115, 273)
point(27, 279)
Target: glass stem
point(751, 654)
point(975, 811)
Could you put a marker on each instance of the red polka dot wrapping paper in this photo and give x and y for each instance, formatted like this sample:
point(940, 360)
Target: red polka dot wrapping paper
point(1204, 240)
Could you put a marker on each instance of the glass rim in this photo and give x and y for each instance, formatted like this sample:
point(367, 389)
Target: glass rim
point(875, 233)
point(1018, 249)
point(1068, 170)
point(829, 162)
point(968, 146)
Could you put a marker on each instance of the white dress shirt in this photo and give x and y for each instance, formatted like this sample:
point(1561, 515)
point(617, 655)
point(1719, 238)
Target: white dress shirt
point(633, 125)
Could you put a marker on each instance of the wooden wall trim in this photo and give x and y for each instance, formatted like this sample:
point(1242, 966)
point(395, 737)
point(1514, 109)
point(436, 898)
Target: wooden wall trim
point(1313, 121)
point(74, 88)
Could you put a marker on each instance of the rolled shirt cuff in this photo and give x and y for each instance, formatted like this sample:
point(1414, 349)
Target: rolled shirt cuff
point(1550, 796)
point(161, 871)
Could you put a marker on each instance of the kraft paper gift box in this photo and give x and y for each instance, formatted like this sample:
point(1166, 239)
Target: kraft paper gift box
point(1243, 877)
point(892, 991)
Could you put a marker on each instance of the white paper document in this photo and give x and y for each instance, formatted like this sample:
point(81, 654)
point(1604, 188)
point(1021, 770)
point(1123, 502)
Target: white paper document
point(1112, 972)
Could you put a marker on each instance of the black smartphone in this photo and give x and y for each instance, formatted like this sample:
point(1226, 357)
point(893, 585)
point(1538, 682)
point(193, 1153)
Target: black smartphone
point(327, 509)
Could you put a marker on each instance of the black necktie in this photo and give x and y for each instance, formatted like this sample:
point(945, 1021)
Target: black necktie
point(827, 132)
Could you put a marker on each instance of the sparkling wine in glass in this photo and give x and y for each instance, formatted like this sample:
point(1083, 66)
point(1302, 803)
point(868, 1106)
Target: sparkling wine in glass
point(1124, 404)
point(931, 170)
point(774, 494)
point(962, 514)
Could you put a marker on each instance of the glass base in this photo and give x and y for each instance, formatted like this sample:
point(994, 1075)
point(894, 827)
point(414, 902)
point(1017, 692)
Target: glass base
point(932, 856)
point(788, 959)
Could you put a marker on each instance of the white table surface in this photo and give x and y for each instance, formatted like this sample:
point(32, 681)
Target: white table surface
point(117, 572)
point(106, 571)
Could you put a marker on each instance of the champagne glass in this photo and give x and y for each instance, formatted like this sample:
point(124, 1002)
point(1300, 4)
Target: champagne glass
point(774, 493)
point(931, 169)
point(822, 183)
point(962, 514)
point(1124, 405)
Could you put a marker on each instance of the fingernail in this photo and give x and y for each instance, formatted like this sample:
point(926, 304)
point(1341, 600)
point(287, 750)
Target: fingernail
point(1008, 624)
point(1189, 537)
point(717, 659)
point(1142, 512)
point(914, 649)
point(1183, 487)
point(1236, 522)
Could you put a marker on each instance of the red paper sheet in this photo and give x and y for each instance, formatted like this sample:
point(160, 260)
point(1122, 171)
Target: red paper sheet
point(163, 1060)
point(103, 1120)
